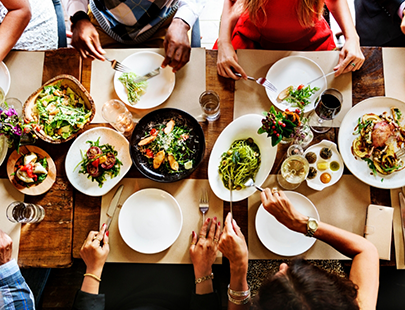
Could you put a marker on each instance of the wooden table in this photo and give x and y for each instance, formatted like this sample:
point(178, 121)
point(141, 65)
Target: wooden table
point(70, 215)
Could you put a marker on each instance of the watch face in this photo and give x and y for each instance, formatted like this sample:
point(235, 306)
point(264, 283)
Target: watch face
point(312, 225)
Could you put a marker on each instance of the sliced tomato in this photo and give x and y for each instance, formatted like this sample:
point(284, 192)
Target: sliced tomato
point(93, 152)
point(96, 162)
point(153, 132)
point(93, 171)
point(109, 162)
point(149, 153)
point(300, 87)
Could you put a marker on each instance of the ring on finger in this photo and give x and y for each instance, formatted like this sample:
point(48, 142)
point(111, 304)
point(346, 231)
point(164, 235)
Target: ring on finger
point(353, 64)
point(274, 190)
point(216, 240)
point(202, 236)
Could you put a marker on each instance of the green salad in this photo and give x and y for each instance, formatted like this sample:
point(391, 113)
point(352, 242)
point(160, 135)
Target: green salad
point(135, 90)
point(60, 111)
point(300, 96)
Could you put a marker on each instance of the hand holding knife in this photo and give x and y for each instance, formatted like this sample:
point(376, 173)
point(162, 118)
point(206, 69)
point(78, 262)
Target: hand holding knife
point(113, 206)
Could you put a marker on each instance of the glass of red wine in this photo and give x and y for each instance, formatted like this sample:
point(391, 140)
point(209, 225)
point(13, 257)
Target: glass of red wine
point(327, 108)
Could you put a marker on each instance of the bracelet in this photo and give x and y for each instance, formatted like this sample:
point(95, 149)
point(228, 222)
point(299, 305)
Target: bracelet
point(202, 279)
point(238, 293)
point(239, 301)
point(93, 276)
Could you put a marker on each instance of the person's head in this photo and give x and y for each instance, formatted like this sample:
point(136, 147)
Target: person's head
point(306, 287)
point(308, 10)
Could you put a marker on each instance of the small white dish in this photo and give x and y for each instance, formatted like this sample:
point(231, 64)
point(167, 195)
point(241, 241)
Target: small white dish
point(316, 182)
point(279, 239)
point(243, 127)
point(74, 157)
point(150, 221)
point(5, 78)
point(159, 87)
point(294, 71)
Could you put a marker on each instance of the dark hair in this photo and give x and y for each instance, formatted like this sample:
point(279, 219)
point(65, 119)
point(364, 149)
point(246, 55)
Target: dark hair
point(306, 287)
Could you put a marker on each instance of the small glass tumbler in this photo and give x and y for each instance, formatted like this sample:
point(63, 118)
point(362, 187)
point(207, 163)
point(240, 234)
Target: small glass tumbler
point(14, 103)
point(209, 101)
point(24, 212)
point(115, 113)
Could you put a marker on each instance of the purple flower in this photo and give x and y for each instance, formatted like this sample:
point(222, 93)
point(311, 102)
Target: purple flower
point(17, 130)
point(10, 112)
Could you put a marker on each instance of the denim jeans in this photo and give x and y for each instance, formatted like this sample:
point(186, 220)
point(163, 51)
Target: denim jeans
point(62, 41)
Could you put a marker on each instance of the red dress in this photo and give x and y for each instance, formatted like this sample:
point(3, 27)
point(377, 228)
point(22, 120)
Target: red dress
point(281, 30)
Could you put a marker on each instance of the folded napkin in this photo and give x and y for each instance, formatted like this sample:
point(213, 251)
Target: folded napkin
point(187, 193)
point(251, 98)
point(394, 72)
point(343, 205)
point(397, 225)
point(8, 194)
point(190, 83)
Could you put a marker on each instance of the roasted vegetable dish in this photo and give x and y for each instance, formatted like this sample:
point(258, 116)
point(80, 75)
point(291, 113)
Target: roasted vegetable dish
point(31, 170)
point(379, 137)
point(167, 146)
point(99, 161)
point(60, 112)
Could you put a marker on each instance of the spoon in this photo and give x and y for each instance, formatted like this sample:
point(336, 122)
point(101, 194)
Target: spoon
point(250, 183)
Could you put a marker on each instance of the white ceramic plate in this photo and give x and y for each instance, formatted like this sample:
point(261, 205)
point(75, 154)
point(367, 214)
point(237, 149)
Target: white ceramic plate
point(279, 239)
point(294, 71)
point(3, 148)
point(150, 221)
point(316, 183)
point(242, 128)
point(5, 79)
point(159, 87)
point(358, 167)
point(73, 157)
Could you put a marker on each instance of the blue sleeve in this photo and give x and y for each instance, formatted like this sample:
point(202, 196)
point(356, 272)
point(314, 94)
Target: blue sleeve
point(14, 291)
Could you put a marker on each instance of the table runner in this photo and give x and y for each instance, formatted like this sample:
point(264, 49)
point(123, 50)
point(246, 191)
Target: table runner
point(251, 98)
point(26, 70)
point(343, 205)
point(187, 193)
point(190, 83)
point(8, 194)
point(397, 225)
point(394, 72)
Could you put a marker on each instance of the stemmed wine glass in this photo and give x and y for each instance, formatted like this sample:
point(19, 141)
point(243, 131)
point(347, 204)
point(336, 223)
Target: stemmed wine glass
point(328, 107)
point(294, 170)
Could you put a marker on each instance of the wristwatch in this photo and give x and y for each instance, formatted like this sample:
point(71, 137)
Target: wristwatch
point(312, 226)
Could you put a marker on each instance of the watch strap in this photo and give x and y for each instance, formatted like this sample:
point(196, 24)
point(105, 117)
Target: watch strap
point(310, 232)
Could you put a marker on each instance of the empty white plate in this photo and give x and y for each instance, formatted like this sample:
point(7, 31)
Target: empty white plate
point(150, 221)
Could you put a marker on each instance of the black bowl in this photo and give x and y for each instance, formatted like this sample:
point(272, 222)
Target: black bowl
point(181, 118)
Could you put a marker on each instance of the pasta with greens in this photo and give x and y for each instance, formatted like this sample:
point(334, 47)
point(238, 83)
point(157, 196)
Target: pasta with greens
point(240, 163)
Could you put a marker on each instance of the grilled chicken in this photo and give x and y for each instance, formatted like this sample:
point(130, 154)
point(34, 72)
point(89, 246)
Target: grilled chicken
point(169, 127)
point(147, 140)
point(173, 163)
point(381, 132)
point(158, 160)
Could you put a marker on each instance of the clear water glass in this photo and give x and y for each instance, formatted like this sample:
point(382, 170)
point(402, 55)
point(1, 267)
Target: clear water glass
point(294, 170)
point(210, 104)
point(118, 116)
point(25, 212)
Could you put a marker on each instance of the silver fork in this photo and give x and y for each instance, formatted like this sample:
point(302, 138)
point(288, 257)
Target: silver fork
point(400, 153)
point(117, 66)
point(261, 81)
point(204, 205)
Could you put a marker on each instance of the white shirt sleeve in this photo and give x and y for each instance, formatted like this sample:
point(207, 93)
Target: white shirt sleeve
point(401, 10)
point(189, 10)
point(73, 6)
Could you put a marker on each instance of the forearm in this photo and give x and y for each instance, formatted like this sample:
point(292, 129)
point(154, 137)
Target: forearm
point(340, 11)
point(91, 285)
point(229, 18)
point(238, 282)
point(206, 286)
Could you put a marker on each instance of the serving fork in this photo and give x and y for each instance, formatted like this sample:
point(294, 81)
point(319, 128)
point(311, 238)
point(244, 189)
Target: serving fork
point(400, 153)
point(261, 81)
point(204, 205)
point(117, 66)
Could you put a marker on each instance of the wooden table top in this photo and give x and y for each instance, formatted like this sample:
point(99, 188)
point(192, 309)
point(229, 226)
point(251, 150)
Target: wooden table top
point(70, 215)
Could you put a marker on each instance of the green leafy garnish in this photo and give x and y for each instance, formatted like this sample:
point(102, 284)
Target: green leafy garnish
point(135, 90)
point(300, 96)
point(370, 165)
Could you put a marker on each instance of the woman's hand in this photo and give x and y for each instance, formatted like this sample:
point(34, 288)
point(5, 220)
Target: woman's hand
point(227, 62)
point(276, 203)
point(350, 57)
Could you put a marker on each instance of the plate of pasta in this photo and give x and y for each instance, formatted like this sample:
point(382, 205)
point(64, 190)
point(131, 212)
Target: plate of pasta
point(240, 154)
point(370, 134)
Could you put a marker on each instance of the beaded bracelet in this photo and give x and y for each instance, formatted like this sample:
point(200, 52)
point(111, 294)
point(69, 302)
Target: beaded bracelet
point(238, 293)
point(93, 276)
point(239, 301)
point(202, 279)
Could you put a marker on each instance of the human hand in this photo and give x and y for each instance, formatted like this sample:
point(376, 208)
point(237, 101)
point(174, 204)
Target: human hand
point(204, 251)
point(6, 246)
point(227, 62)
point(233, 245)
point(350, 57)
point(93, 253)
point(85, 39)
point(176, 44)
point(276, 203)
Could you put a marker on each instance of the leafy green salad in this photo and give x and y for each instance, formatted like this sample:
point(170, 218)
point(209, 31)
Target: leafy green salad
point(300, 96)
point(134, 90)
point(60, 111)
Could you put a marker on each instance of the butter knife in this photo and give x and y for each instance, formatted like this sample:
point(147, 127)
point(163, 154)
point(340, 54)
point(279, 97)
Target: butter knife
point(230, 193)
point(147, 76)
point(113, 206)
point(402, 204)
point(319, 77)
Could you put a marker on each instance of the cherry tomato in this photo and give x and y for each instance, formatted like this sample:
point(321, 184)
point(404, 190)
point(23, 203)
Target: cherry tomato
point(153, 132)
point(96, 162)
point(28, 168)
point(149, 153)
point(110, 161)
point(300, 87)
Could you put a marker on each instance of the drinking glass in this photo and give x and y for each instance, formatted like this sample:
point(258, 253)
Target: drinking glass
point(326, 110)
point(115, 113)
point(24, 212)
point(14, 103)
point(209, 101)
point(294, 170)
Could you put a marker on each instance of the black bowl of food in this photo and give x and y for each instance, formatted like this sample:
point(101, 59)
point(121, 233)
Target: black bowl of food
point(167, 145)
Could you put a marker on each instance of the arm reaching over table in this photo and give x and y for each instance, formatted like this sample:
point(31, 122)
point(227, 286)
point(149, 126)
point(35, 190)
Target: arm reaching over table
point(94, 252)
point(14, 291)
point(365, 265)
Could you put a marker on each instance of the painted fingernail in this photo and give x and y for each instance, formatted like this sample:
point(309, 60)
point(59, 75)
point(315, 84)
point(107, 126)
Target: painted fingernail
point(215, 218)
point(103, 225)
point(107, 233)
point(193, 233)
point(208, 219)
point(219, 223)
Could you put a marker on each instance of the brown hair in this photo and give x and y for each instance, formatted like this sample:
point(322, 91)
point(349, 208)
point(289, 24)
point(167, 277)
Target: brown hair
point(306, 287)
point(307, 10)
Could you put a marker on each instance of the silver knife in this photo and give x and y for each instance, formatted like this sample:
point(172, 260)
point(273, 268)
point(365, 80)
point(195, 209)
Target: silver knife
point(230, 191)
point(113, 206)
point(319, 77)
point(147, 76)
point(402, 204)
